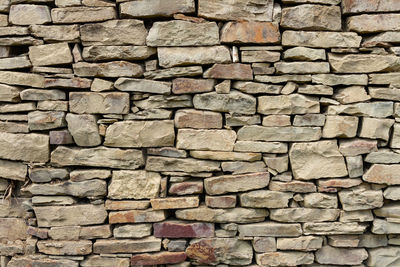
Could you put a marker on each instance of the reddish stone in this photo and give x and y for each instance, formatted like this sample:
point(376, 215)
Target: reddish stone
point(158, 258)
point(341, 183)
point(41, 233)
point(137, 216)
point(223, 202)
point(251, 32)
point(62, 137)
point(198, 119)
point(67, 83)
point(234, 71)
point(178, 229)
point(192, 86)
point(186, 188)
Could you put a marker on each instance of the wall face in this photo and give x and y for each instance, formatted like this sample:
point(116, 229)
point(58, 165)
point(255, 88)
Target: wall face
point(199, 132)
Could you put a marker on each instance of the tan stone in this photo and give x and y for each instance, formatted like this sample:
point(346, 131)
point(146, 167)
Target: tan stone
point(84, 129)
point(265, 199)
point(376, 128)
point(85, 102)
point(137, 216)
point(82, 247)
point(67, 33)
point(265, 147)
point(303, 243)
point(97, 260)
point(321, 39)
point(13, 170)
point(114, 52)
point(29, 14)
point(283, 134)
point(340, 256)
point(333, 228)
point(140, 134)
point(220, 155)
point(144, 86)
point(385, 256)
point(336, 79)
point(302, 67)
point(305, 54)
point(235, 183)
point(49, 216)
point(270, 229)
point(114, 32)
point(260, 56)
point(82, 14)
point(383, 174)
point(163, 164)
point(148, 244)
point(9, 93)
point(134, 185)
point(363, 63)
point(127, 204)
point(360, 6)
point(340, 126)
point(304, 215)
point(108, 69)
point(367, 23)
point(287, 104)
point(156, 8)
point(243, 32)
point(50, 54)
point(219, 140)
point(133, 230)
point(351, 94)
point(98, 157)
point(174, 203)
point(284, 258)
point(312, 17)
point(20, 78)
point(256, 88)
point(197, 119)
point(190, 85)
point(12, 229)
point(356, 147)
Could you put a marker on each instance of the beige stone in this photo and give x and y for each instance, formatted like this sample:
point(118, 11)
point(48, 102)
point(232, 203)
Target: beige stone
point(363, 63)
point(13, 170)
point(96, 260)
point(67, 33)
point(376, 128)
point(360, 199)
point(85, 102)
point(367, 23)
point(333, 228)
point(84, 129)
point(9, 93)
point(306, 159)
point(266, 147)
point(221, 155)
point(174, 203)
point(191, 85)
point(235, 183)
point(351, 94)
point(303, 243)
point(340, 256)
point(304, 215)
point(156, 8)
point(385, 256)
point(140, 134)
point(260, 56)
point(12, 229)
point(162, 164)
point(183, 33)
point(98, 157)
point(256, 88)
point(301, 67)
point(137, 216)
point(283, 134)
point(143, 86)
point(114, 52)
point(284, 258)
point(197, 119)
point(340, 126)
point(148, 244)
point(134, 185)
point(288, 104)
point(114, 32)
point(82, 14)
point(20, 78)
point(383, 174)
point(272, 229)
point(50, 54)
point(312, 17)
point(360, 6)
point(253, 32)
point(304, 53)
point(219, 140)
point(29, 14)
point(108, 69)
point(321, 39)
point(132, 230)
point(265, 199)
point(81, 247)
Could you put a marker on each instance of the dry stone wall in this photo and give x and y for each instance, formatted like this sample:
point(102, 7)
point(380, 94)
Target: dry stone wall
point(199, 132)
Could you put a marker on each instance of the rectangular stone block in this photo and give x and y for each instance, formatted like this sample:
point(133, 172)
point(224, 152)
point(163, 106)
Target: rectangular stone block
point(104, 103)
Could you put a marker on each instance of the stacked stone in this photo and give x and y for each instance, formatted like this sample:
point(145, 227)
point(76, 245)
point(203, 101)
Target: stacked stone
point(199, 132)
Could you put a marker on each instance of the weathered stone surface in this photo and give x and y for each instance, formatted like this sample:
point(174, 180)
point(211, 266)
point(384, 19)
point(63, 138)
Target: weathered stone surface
point(90, 188)
point(42, 94)
point(15, 63)
point(321, 39)
point(363, 63)
point(49, 216)
point(359, 6)
point(149, 244)
point(284, 258)
point(156, 8)
point(58, 33)
point(20, 78)
point(260, 56)
point(235, 183)
point(84, 129)
point(44, 120)
point(82, 247)
point(50, 54)
point(373, 23)
point(25, 147)
point(134, 185)
point(186, 188)
point(270, 229)
point(13, 170)
point(306, 159)
point(114, 52)
point(190, 85)
point(98, 157)
point(340, 126)
point(235, 71)
point(181, 56)
point(233, 102)
point(361, 199)
point(383, 174)
point(227, 201)
point(41, 175)
point(335, 79)
point(288, 134)
point(312, 17)
point(140, 134)
point(162, 164)
point(132, 230)
point(82, 14)
point(109, 69)
point(304, 215)
point(9, 93)
point(351, 94)
point(265, 199)
point(287, 104)
point(385, 256)
point(26, 261)
point(167, 152)
point(256, 88)
point(253, 32)
point(179, 229)
point(266, 147)
point(144, 86)
point(85, 102)
point(29, 14)
point(174, 203)
point(96, 260)
point(137, 216)
point(221, 155)
point(333, 228)
point(371, 109)
point(220, 140)
point(304, 53)
point(392, 192)
point(197, 119)
point(376, 128)
point(236, 10)
point(302, 67)
point(162, 101)
point(354, 147)
point(236, 215)
point(158, 258)
point(303, 243)
point(183, 33)
point(114, 32)
point(74, 82)
point(385, 227)
point(340, 256)
point(12, 229)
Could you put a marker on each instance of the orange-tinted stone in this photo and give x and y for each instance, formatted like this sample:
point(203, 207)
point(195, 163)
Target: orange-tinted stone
point(178, 229)
point(251, 32)
point(235, 71)
point(136, 216)
point(158, 258)
point(192, 86)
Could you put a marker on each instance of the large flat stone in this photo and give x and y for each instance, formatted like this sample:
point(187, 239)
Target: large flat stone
point(96, 260)
point(321, 39)
point(108, 69)
point(162, 164)
point(340, 256)
point(21, 78)
point(13, 170)
point(98, 157)
point(84, 129)
point(283, 134)
point(158, 258)
point(92, 102)
point(156, 8)
point(235, 183)
point(302, 67)
point(383, 174)
point(367, 23)
point(174, 203)
point(304, 215)
point(116, 52)
point(284, 258)
point(143, 86)
point(197, 119)
point(67, 33)
point(219, 140)
point(333, 228)
point(134, 185)
point(272, 229)
point(49, 216)
point(236, 10)
point(149, 244)
point(180, 229)
point(234, 71)
point(51, 247)
point(265, 199)
point(137, 216)
point(50, 54)
point(250, 32)
point(114, 32)
point(363, 63)
point(384, 256)
point(140, 134)
point(183, 33)
point(82, 14)
point(288, 104)
point(12, 229)
point(360, 6)
point(29, 14)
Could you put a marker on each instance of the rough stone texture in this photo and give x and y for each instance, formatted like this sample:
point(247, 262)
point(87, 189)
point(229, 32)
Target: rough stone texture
point(156, 8)
point(83, 129)
point(321, 39)
point(290, 104)
point(220, 140)
point(99, 102)
point(51, 54)
point(29, 14)
point(240, 32)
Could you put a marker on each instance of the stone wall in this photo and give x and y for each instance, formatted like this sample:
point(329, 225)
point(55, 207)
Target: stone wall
point(199, 132)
